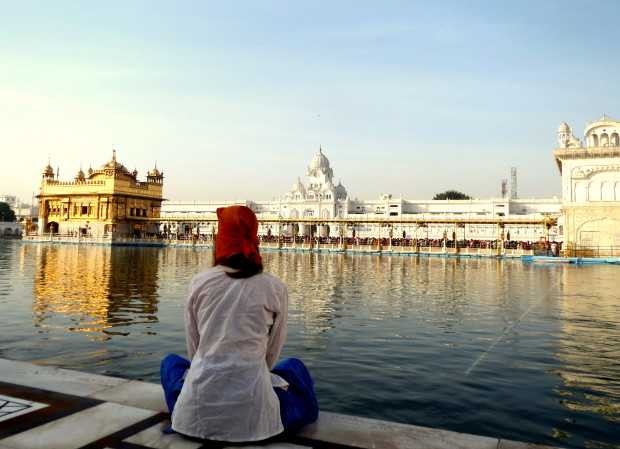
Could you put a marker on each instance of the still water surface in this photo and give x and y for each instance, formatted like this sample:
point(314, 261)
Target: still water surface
point(498, 348)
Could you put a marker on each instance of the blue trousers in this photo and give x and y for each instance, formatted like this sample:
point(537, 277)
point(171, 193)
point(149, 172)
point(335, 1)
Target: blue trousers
point(298, 403)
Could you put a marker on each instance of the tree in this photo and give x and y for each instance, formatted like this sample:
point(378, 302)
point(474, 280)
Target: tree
point(6, 213)
point(452, 195)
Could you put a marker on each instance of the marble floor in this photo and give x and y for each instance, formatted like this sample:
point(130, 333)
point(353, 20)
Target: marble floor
point(47, 408)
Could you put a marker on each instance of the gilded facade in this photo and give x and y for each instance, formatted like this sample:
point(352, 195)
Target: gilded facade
point(109, 201)
point(590, 185)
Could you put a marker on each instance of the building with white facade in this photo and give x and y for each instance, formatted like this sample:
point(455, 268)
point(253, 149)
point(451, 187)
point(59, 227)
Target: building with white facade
point(22, 210)
point(590, 184)
point(318, 197)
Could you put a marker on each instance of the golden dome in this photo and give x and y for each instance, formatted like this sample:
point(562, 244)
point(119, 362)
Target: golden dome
point(114, 165)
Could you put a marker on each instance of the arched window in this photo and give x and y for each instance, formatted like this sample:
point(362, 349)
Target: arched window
point(594, 191)
point(604, 140)
point(607, 191)
point(615, 140)
point(594, 140)
point(580, 192)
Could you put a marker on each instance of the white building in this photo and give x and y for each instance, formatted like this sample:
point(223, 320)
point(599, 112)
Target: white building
point(319, 198)
point(22, 210)
point(591, 184)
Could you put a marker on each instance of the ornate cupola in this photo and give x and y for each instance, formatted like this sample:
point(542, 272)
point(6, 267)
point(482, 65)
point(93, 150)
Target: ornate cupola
point(48, 172)
point(341, 192)
point(80, 176)
point(566, 137)
point(563, 134)
point(155, 175)
point(298, 187)
point(319, 171)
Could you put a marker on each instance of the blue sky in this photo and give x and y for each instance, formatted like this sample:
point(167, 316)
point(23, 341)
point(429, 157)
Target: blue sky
point(233, 98)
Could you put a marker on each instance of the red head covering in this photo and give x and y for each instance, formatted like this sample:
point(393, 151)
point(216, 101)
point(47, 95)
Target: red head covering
point(237, 233)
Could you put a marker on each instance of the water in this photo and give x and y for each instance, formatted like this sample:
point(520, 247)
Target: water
point(499, 348)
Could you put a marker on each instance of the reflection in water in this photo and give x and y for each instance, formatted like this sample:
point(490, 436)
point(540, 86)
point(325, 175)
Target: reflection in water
point(588, 345)
point(100, 290)
point(484, 346)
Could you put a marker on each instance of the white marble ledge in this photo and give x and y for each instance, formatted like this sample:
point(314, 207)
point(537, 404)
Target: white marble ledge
point(54, 379)
point(153, 438)
point(373, 434)
point(136, 394)
point(79, 429)
point(4, 446)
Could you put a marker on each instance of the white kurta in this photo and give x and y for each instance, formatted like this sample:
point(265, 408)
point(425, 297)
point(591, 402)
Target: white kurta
point(235, 329)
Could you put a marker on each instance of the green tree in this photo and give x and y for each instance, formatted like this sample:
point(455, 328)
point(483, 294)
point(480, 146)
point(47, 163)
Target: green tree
point(452, 195)
point(6, 213)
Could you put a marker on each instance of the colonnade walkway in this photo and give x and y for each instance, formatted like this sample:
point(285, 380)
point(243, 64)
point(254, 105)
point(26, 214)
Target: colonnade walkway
point(49, 408)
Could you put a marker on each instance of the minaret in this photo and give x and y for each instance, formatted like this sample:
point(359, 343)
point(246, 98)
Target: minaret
point(564, 134)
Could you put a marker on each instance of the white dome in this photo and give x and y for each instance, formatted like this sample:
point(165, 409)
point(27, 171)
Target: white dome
point(319, 161)
point(298, 186)
point(341, 192)
point(564, 128)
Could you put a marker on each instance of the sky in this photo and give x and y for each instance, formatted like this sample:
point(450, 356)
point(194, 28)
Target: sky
point(231, 99)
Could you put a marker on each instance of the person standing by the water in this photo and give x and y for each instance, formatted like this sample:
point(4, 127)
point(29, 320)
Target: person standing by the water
point(236, 321)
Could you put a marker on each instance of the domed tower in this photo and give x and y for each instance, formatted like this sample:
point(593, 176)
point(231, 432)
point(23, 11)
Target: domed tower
point(341, 192)
point(319, 169)
point(48, 172)
point(155, 176)
point(80, 176)
point(566, 137)
point(297, 192)
point(564, 134)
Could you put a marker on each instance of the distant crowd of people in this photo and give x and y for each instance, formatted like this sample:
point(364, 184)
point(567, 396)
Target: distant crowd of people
point(423, 242)
point(541, 245)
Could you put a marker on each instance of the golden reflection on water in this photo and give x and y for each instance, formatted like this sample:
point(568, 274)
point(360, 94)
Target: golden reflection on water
point(97, 290)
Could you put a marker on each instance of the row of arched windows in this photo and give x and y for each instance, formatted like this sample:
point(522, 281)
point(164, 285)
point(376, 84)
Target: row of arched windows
point(604, 140)
point(596, 191)
point(309, 213)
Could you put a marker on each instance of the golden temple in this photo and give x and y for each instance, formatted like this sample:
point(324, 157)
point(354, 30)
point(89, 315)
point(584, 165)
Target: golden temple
point(109, 201)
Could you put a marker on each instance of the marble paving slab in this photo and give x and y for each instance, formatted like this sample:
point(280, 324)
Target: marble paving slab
point(54, 379)
point(11, 407)
point(78, 429)
point(136, 394)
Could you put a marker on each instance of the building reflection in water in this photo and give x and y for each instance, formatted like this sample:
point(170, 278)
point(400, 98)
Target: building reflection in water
point(101, 291)
point(588, 346)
